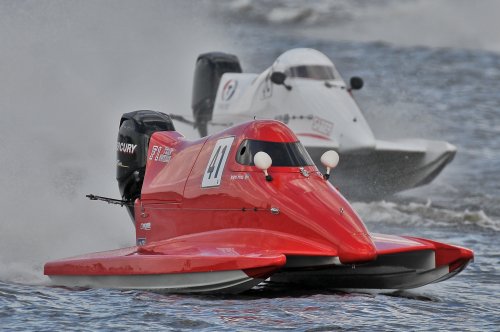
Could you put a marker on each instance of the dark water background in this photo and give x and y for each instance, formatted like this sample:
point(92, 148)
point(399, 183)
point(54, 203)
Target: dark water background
point(69, 69)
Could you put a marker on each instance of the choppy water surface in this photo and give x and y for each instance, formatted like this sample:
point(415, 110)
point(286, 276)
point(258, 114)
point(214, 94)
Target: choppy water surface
point(449, 93)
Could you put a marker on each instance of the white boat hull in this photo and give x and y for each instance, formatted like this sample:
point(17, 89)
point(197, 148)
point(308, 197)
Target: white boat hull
point(232, 282)
point(378, 173)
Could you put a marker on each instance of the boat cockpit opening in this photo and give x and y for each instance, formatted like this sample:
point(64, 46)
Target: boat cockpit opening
point(282, 154)
point(315, 72)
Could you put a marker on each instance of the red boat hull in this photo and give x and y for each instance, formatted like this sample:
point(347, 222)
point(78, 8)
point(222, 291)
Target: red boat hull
point(208, 220)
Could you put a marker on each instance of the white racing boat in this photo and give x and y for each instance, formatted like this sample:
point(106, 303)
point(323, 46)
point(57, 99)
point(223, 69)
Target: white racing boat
point(304, 90)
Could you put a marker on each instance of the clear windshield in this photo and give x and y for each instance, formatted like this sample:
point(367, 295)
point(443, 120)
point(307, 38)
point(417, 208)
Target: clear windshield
point(312, 72)
point(282, 154)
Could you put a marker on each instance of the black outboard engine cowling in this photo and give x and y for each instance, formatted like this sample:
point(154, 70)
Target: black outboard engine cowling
point(209, 69)
point(135, 131)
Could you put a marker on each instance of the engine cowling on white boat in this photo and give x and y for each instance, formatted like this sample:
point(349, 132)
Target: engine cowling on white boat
point(304, 90)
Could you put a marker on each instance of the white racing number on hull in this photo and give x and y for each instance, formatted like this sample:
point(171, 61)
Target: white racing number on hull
point(216, 163)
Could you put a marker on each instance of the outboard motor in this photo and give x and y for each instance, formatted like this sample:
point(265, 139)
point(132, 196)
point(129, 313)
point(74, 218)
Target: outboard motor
point(209, 69)
point(135, 131)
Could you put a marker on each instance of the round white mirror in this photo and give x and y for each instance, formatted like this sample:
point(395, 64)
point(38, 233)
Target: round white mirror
point(262, 160)
point(329, 159)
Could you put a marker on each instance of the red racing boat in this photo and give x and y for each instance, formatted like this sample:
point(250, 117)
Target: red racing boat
point(225, 212)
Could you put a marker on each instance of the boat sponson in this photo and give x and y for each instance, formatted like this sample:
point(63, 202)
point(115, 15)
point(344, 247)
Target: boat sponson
point(133, 261)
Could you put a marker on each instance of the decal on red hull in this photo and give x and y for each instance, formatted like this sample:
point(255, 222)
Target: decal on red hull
point(161, 153)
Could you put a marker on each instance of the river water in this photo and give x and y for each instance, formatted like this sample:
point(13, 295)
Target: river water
point(71, 68)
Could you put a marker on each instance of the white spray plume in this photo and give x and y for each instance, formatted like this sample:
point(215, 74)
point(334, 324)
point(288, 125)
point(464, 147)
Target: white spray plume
point(69, 69)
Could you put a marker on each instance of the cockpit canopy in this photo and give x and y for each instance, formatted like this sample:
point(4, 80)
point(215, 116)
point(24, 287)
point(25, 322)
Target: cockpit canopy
point(306, 63)
point(285, 154)
point(312, 71)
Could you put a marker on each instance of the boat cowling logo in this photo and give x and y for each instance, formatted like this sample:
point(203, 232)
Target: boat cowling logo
point(126, 147)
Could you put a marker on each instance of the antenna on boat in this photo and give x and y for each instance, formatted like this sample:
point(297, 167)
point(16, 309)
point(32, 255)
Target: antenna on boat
point(108, 200)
